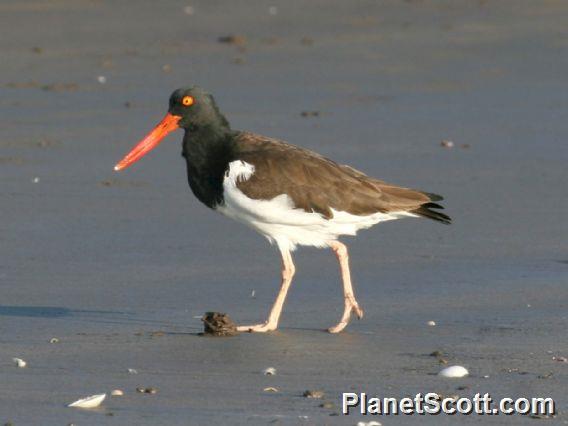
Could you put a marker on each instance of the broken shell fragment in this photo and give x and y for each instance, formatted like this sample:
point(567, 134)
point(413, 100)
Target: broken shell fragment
point(89, 402)
point(132, 371)
point(20, 363)
point(117, 392)
point(54, 340)
point(270, 371)
point(454, 371)
point(147, 390)
point(270, 389)
point(233, 39)
point(315, 394)
point(431, 323)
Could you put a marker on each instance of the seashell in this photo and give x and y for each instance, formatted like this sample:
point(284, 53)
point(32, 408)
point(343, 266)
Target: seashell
point(132, 371)
point(146, 390)
point(89, 402)
point(117, 392)
point(454, 371)
point(20, 363)
point(54, 340)
point(431, 323)
point(270, 371)
point(270, 389)
point(315, 394)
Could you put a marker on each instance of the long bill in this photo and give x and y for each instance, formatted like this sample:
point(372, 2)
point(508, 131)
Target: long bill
point(168, 124)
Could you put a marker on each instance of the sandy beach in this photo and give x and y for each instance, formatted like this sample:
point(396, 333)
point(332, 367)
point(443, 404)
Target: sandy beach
point(118, 268)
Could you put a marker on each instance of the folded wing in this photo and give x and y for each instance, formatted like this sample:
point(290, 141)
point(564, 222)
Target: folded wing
point(317, 184)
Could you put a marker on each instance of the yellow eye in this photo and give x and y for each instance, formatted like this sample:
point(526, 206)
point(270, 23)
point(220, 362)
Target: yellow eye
point(187, 100)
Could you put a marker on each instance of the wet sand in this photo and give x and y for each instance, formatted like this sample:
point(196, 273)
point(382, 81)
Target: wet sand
point(119, 267)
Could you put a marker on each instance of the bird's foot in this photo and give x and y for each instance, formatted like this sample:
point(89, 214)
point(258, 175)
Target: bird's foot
point(257, 328)
point(338, 328)
point(351, 305)
point(358, 310)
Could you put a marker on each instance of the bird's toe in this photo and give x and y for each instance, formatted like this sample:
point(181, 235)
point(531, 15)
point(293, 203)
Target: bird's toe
point(358, 311)
point(337, 328)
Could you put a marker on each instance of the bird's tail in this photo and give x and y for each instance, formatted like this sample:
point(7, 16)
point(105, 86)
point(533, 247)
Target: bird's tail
point(429, 209)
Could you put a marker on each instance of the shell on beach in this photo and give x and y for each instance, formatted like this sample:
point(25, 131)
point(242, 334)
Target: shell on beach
point(117, 392)
point(315, 394)
point(20, 363)
point(454, 371)
point(150, 390)
point(270, 371)
point(89, 402)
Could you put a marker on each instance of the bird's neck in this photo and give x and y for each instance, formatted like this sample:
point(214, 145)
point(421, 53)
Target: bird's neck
point(208, 150)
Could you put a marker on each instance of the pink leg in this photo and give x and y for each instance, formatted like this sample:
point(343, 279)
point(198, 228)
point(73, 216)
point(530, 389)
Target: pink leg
point(288, 270)
point(350, 303)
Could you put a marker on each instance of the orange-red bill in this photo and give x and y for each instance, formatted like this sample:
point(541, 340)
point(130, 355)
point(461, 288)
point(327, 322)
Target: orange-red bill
point(151, 141)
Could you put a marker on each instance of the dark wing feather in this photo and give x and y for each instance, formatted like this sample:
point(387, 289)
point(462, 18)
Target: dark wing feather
point(317, 184)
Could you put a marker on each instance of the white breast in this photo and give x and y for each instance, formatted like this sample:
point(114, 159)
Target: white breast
point(279, 221)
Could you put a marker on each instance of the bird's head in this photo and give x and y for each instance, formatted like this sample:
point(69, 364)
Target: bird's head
point(189, 108)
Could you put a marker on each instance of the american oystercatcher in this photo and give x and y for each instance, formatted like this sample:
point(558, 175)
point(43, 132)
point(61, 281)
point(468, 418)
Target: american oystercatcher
point(292, 196)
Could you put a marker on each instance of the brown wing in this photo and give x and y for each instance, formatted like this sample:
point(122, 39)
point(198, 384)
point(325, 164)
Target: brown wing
point(315, 183)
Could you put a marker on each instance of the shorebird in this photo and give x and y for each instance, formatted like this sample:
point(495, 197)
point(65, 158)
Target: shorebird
point(292, 196)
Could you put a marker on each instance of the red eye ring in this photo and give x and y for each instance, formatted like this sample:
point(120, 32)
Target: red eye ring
point(187, 100)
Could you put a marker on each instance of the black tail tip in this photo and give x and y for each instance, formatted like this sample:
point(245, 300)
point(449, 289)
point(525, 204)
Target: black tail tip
point(427, 210)
point(433, 197)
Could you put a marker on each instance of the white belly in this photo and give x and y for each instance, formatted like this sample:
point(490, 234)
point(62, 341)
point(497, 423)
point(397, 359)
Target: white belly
point(279, 221)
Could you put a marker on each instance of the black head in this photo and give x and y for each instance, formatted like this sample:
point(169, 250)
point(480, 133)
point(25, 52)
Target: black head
point(197, 109)
point(192, 109)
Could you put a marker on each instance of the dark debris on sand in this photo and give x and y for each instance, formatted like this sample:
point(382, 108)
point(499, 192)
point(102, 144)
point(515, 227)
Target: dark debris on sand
point(235, 39)
point(218, 324)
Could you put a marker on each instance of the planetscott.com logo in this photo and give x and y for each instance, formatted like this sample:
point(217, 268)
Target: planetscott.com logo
point(433, 403)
